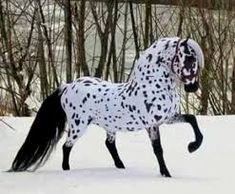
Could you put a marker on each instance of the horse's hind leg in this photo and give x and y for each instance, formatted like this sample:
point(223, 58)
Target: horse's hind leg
point(66, 154)
point(110, 144)
point(73, 135)
point(154, 135)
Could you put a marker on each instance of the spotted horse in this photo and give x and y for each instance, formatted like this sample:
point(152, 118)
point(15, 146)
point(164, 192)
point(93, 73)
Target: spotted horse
point(146, 101)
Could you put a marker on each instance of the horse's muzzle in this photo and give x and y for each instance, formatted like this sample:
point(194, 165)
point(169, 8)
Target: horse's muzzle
point(192, 87)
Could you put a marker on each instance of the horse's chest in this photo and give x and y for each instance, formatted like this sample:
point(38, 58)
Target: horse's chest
point(160, 108)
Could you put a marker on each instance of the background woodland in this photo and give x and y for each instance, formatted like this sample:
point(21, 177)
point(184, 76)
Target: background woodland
point(46, 43)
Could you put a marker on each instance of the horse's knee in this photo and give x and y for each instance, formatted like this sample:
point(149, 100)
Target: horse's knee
point(190, 118)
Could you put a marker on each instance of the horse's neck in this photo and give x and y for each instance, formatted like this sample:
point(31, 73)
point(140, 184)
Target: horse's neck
point(149, 73)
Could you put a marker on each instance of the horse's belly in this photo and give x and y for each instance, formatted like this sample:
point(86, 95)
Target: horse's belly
point(118, 122)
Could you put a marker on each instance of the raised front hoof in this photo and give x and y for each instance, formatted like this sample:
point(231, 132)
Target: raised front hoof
point(165, 173)
point(120, 165)
point(193, 146)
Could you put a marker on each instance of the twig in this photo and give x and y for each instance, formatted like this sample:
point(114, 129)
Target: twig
point(8, 125)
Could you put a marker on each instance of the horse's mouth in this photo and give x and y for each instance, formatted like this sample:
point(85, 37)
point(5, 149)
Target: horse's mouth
point(192, 87)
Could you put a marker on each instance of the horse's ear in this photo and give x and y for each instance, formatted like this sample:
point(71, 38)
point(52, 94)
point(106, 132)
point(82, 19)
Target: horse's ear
point(186, 40)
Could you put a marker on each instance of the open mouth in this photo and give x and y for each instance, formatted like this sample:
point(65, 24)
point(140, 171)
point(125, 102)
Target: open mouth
point(192, 87)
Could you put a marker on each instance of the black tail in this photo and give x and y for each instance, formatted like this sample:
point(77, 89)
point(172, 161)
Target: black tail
point(44, 134)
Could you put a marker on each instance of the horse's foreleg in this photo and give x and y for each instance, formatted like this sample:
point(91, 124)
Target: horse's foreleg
point(110, 144)
point(154, 135)
point(191, 119)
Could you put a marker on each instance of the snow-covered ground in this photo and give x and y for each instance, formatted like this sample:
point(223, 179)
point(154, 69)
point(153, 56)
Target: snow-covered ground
point(211, 169)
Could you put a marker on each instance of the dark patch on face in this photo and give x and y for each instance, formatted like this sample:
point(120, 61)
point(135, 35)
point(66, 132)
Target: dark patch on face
point(188, 62)
point(75, 137)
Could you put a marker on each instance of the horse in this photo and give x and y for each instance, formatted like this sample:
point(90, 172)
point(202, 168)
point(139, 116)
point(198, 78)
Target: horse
point(148, 99)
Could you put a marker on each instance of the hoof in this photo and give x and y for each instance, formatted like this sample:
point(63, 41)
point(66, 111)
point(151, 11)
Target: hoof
point(165, 173)
point(65, 167)
point(193, 146)
point(120, 165)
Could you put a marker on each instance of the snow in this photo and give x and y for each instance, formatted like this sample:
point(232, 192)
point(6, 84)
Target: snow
point(209, 170)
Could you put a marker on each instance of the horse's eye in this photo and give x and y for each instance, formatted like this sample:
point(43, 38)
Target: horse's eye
point(189, 61)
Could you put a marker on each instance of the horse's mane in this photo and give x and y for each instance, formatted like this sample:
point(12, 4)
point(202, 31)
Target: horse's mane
point(198, 51)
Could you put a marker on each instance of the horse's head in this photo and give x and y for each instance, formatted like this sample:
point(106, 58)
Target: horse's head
point(187, 63)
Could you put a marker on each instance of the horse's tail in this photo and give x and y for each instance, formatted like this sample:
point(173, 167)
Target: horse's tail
point(46, 130)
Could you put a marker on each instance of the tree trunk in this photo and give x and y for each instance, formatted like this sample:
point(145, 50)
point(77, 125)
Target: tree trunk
point(81, 58)
point(68, 39)
point(233, 90)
